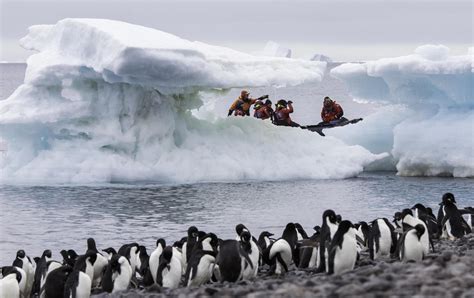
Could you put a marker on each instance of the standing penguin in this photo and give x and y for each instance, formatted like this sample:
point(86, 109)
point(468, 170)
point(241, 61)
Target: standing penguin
point(328, 229)
point(453, 224)
point(409, 246)
point(363, 231)
point(117, 275)
point(40, 272)
point(382, 238)
point(130, 251)
point(10, 283)
point(280, 253)
point(343, 249)
point(308, 251)
point(264, 240)
point(446, 198)
point(99, 263)
point(79, 282)
point(409, 222)
point(110, 252)
point(169, 270)
point(191, 240)
point(24, 262)
point(56, 280)
point(154, 260)
point(201, 264)
point(421, 212)
point(250, 255)
point(229, 261)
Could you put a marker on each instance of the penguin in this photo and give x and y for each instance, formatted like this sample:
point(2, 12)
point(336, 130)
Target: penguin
point(201, 264)
point(453, 224)
point(280, 253)
point(10, 283)
point(468, 214)
point(239, 229)
point(409, 221)
point(421, 212)
point(309, 250)
point(85, 263)
point(154, 260)
point(191, 240)
point(362, 234)
point(410, 247)
point(130, 251)
point(343, 249)
point(100, 262)
point(447, 197)
point(169, 270)
point(301, 232)
point(264, 240)
point(110, 251)
point(250, 255)
point(117, 275)
point(382, 238)
point(79, 282)
point(229, 261)
point(67, 260)
point(328, 229)
point(142, 260)
point(56, 280)
point(24, 262)
point(40, 272)
point(397, 220)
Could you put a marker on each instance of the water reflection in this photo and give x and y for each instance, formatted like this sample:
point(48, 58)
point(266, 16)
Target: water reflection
point(36, 218)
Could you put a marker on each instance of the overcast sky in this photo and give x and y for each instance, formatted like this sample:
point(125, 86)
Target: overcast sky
point(342, 29)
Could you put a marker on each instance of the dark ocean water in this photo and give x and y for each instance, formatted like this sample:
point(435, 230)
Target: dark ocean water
point(35, 218)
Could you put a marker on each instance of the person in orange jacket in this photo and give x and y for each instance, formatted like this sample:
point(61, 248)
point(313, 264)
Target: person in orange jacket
point(241, 106)
point(331, 111)
point(282, 114)
point(263, 110)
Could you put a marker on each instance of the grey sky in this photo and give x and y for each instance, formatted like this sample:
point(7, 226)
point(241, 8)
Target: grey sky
point(343, 29)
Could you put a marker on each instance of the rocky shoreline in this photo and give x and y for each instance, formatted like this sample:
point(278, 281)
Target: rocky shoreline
point(448, 272)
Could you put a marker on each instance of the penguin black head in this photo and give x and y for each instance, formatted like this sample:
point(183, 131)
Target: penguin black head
point(265, 234)
point(245, 237)
point(91, 255)
point(7, 270)
point(329, 215)
point(72, 254)
point(91, 245)
point(406, 212)
point(36, 259)
point(161, 242)
point(397, 216)
point(201, 235)
point(192, 232)
point(240, 228)
point(213, 240)
point(142, 250)
point(20, 254)
point(179, 243)
point(317, 229)
point(344, 226)
point(116, 261)
point(110, 251)
point(419, 207)
point(290, 234)
point(46, 254)
point(420, 229)
point(338, 218)
point(167, 254)
point(448, 197)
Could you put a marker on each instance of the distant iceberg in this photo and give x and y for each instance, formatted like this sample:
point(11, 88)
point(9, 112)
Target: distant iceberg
point(321, 57)
point(430, 127)
point(273, 49)
point(107, 101)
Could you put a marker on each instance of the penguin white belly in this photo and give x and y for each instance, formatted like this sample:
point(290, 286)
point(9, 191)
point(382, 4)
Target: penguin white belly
point(177, 253)
point(282, 247)
point(9, 286)
point(425, 239)
point(385, 241)
point(23, 282)
point(412, 248)
point(313, 261)
point(84, 285)
point(53, 265)
point(345, 257)
point(250, 272)
point(447, 233)
point(99, 266)
point(172, 277)
point(204, 271)
point(30, 276)
point(122, 280)
point(154, 262)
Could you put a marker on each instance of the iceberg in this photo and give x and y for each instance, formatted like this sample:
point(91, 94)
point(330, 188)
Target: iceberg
point(428, 119)
point(321, 57)
point(107, 101)
point(274, 49)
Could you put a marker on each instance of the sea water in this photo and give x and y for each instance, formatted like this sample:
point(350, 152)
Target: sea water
point(58, 217)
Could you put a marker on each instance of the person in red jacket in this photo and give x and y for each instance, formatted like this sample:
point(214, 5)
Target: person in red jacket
point(331, 112)
point(282, 113)
point(263, 110)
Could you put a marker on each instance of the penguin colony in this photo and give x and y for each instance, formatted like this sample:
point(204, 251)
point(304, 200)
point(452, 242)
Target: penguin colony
point(201, 257)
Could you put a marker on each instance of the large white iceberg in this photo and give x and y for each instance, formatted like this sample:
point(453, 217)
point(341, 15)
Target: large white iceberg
point(108, 101)
point(428, 122)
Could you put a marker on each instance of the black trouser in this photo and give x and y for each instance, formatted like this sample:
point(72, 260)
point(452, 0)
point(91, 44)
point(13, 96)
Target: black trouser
point(285, 123)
